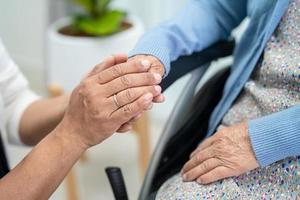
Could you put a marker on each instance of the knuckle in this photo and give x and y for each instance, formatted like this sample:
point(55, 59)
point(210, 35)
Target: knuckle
point(130, 94)
point(127, 109)
point(220, 141)
point(90, 96)
point(126, 81)
point(225, 140)
point(84, 84)
point(204, 166)
point(100, 78)
point(196, 159)
point(83, 87)
point(116, 71)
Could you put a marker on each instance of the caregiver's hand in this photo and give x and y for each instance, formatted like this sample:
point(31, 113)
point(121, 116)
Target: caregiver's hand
point(225, 154)
point(156, 67)
point(93, 114)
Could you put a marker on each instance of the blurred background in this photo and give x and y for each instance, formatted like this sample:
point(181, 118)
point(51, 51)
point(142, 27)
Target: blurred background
point(54, 56)
point(27, 29)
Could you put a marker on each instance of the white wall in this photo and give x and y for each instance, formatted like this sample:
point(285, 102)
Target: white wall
point(22, 26)
point(152, 12)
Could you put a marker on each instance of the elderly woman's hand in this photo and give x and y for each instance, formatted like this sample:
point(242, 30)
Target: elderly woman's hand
point(225, 154)
point(108, 97)
point(156, 67)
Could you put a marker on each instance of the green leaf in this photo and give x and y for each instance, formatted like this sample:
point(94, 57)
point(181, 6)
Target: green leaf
point(101, 6)
point(87, 5)
point(107, 24)
point(94, 8)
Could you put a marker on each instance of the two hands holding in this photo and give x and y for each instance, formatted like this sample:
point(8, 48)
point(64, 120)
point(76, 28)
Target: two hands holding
point(110, 98)
point(134, 82)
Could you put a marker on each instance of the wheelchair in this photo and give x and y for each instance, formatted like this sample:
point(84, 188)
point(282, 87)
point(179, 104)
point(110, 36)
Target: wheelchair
point(188, 122)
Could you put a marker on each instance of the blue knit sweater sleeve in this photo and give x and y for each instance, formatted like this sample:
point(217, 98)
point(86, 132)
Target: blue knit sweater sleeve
point(199, 24)
point(276, 136)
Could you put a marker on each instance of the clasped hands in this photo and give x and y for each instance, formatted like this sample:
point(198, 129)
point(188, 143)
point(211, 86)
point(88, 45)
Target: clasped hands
point(115, 94)
point(111, 96)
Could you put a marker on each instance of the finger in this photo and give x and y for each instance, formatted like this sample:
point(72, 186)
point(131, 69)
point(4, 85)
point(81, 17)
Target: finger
point(120, 58)
point(108, 62)
point(201, 169)
point(127, 112)
point(125, 128)
point(131, 94)
point(131, 81)
point(119, 70)
point(159, 99)
point(197, 159)
point(205, 144)
point(157, 68)
point(215, 174)
point(156, 64)
point(129, 125)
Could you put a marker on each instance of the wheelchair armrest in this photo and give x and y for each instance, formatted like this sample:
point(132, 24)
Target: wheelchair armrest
point(186, 64)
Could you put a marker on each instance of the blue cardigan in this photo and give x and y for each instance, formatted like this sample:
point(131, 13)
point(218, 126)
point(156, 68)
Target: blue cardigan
point(201, 23)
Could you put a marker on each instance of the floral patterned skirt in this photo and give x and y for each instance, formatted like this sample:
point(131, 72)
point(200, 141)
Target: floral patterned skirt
point(281, 180)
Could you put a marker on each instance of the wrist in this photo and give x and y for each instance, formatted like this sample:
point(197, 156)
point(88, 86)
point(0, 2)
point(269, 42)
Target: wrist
point(64, 102)
point(68, 135)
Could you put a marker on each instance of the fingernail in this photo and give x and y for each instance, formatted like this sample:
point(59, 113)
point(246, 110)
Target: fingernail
point(157, 88)
point(145, 63)
point(148, 97)
point(157, 76)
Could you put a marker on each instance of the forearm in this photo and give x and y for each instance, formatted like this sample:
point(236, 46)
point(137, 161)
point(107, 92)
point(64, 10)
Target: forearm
point(198, 25)
point(40, 118)
point(43, 169)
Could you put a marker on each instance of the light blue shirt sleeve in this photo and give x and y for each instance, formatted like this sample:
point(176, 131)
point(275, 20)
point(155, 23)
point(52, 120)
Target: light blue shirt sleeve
point(198, 25)
point(276, 136)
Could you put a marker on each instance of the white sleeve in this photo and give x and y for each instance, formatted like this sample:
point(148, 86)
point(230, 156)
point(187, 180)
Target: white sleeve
point(16, 95)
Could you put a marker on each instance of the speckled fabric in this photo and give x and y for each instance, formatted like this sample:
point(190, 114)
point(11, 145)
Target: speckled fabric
point(273, 86)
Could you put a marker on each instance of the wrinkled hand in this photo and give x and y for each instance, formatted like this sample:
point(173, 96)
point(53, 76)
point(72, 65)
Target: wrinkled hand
point(225, 154)
point(92, 114)
point(156, 67)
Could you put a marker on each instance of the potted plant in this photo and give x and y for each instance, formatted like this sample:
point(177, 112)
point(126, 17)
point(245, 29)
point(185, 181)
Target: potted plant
point(78, 42)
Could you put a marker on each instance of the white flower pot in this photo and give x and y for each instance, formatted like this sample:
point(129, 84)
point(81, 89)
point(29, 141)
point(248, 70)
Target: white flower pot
point(69, 58)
